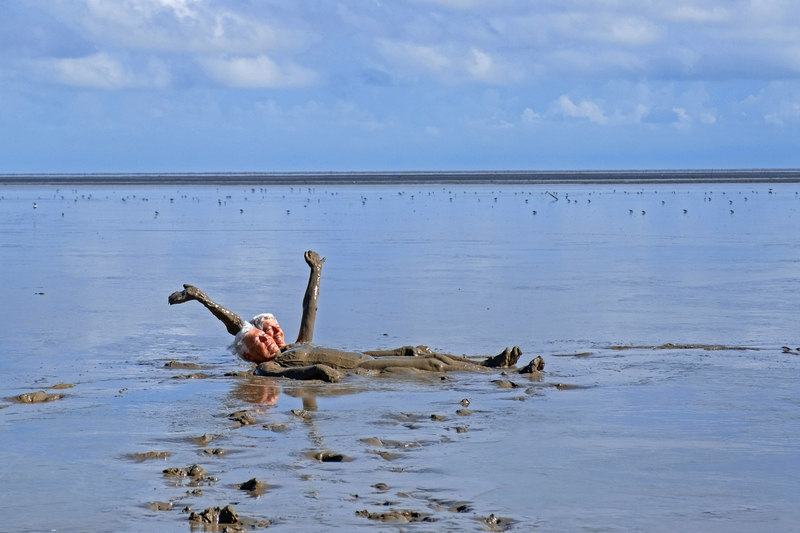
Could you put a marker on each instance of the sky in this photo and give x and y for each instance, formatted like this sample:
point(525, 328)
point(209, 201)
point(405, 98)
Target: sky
point(402, 85)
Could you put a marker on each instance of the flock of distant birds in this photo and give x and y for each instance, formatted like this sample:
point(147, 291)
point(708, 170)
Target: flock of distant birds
point(364, 198)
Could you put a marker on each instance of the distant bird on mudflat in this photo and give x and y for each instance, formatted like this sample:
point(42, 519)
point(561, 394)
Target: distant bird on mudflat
point(643, 212)
point(631, 210)
point(684, 210)
point(34, 205)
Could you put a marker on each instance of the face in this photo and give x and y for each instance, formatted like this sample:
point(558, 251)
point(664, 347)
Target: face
point(260, 347)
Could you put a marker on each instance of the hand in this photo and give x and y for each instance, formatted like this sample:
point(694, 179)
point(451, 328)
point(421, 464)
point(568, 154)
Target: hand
point(313, 260)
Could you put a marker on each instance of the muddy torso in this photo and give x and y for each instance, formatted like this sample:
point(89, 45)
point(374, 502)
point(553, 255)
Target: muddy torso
point(311, 354)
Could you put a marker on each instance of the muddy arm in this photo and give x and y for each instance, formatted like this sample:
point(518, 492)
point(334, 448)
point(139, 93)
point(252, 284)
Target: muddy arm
point(310, 299)
point(232, 321)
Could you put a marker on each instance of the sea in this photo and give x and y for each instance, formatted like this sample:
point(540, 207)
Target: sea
point(668, 315)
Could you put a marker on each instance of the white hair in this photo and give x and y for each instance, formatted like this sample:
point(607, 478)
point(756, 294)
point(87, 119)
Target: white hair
point(238, 348)
point(258, 320)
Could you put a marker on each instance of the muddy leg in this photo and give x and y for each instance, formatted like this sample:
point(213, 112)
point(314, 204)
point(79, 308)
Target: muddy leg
point(310, 299)
point(231, 320)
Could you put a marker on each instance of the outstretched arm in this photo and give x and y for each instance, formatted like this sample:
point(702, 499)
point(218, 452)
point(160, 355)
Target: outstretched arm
point(310, 299)
point(232, 321)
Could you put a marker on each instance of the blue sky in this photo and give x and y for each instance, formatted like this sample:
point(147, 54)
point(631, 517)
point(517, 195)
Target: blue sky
point(238, 85)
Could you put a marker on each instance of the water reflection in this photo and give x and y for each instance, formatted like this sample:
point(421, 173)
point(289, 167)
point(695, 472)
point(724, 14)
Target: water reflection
point(259, 391)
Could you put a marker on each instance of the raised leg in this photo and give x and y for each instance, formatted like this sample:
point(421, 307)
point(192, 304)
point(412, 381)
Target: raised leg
point(314, 262)
point(232, 321)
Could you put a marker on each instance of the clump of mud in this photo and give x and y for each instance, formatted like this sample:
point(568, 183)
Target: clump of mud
point(217, 452)
point(536, 365)
point(140, 457)
point(495, 523)
point(194, 472)
point(196, 375)
point(328, 456)
point(178, 364)
point(161, 506)
point(403, 516)
point(215, 515)
point(62, 386)
point(37, 397)
point(243, 418)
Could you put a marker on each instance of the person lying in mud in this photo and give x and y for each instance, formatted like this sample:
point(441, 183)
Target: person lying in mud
point(261, 341)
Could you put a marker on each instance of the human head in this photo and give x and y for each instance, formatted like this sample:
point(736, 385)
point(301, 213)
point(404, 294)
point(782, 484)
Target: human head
point(255, 346)
point(267, 323)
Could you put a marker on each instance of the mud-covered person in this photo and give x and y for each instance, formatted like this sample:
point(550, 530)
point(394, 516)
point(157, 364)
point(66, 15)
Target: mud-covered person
point(261, 341)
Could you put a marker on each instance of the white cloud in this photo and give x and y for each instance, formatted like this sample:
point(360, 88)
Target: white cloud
point(257, 72)
point(528, 116)
point(694, 14)
point(585, 109)
point(684, 122)
point(185, 25)
point(433, 131)
point(447, 63)
point(101, 71)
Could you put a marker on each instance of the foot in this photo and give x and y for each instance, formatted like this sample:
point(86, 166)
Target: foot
point(313, 260)
point(188, 293)
point(536, 365)
point(506, 359)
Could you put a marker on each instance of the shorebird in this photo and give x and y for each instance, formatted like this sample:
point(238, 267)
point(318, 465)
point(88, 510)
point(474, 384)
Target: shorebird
point(34, 205)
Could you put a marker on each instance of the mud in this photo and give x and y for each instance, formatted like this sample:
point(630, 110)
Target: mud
point(216, 452)
point(161, 506)
point(328, 456)
point(383, 487)
point(461, 429)
point(670, 346)
point(465, 402)
point(504, 384)
point(203, 439)
point(61, 386)
point(178, 364)
point(402, 516)
point(438, 418)
point(536, 365)
point(301, 413)
point(194, 472)
point(581, 354)
point(276, 427)
point(216, 515)
point(141, 457)
point(196, 375)
point(253, 487)
point(242, 418)
point(304, 373)
point(37, 397)
point(464, 412)
point(496, 523)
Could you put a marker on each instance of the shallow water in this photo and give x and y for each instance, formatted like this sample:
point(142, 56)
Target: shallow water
point(652, 440)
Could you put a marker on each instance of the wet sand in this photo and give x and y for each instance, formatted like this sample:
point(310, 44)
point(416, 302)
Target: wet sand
point(683, 429)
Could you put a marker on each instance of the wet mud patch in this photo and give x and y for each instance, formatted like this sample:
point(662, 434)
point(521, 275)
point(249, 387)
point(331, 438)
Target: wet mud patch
point(196, 375)
point(670, 346)
point(398, 516)
point(62, 386)
point(142, 457)
point(215, 452)
point(253, 487)
point(242, 418)
point(504, 384)
point(495, 523)
point(187, 366)
point(37, 397)
point(328, 456)
point(385, 455)
point(381, 487)
point(579, 354)
point(161, 506)
point(464, 412)
point(204, 439)
point(276, 427)
point(195, 474)
point(224, 519)
point(386, 443)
